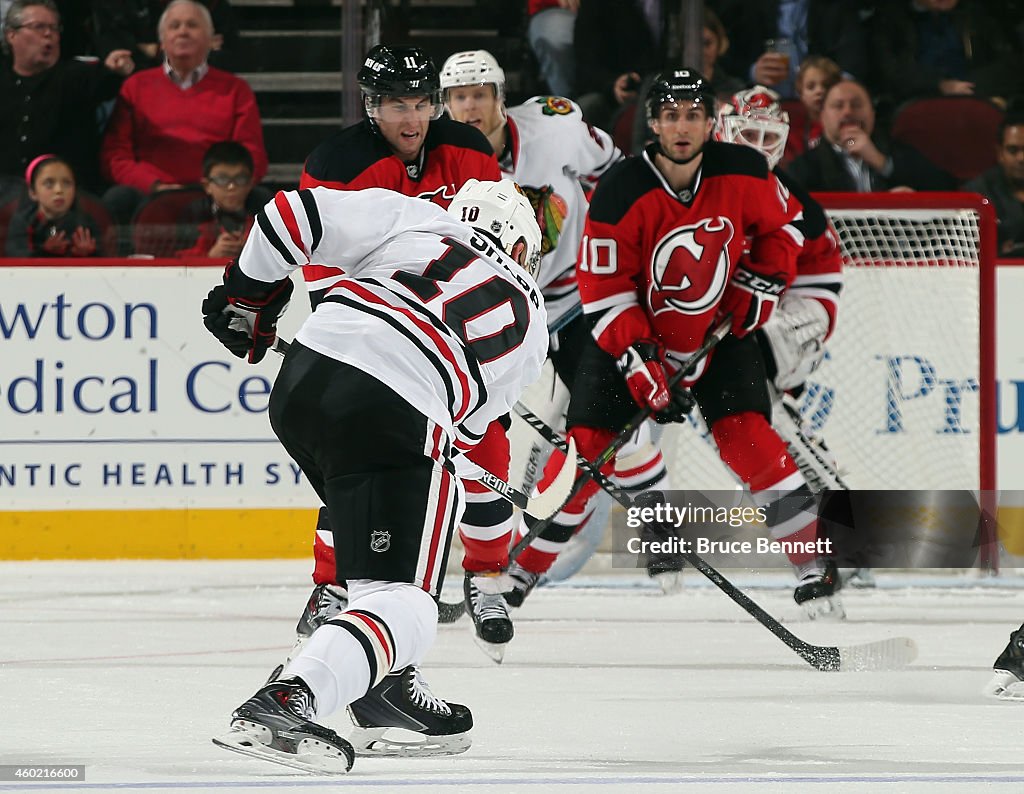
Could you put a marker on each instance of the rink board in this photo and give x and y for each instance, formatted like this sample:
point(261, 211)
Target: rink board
point(127, 431)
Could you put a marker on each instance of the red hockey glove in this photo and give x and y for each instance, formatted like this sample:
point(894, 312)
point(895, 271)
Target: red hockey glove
point(246, 324)
point(750, 298)
point(642, 365)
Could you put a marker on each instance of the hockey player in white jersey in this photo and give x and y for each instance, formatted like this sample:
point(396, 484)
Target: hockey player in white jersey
point(430, 337)
point(545, 146)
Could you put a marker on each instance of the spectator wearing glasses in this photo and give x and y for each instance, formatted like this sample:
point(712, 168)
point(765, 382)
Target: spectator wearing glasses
point(167, 117)
point(218, 225)
point(48, 105)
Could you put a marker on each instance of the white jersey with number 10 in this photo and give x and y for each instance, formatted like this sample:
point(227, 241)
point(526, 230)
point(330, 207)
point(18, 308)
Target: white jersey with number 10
point(427, 305)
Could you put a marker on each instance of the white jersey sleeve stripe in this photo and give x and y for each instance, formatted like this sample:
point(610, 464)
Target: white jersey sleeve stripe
point(606, 320)
point(624, 299)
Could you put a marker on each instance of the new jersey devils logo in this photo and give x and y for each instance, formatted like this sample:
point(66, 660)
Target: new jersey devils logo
point(690, 267)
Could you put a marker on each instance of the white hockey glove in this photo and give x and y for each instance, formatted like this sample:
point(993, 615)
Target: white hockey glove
point(796, 335)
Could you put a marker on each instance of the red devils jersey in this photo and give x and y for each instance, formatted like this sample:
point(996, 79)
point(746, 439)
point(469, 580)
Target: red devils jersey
point(819, 265)
point(357, 157)
point(655, 263)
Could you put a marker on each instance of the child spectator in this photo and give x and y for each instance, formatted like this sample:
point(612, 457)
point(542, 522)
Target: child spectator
point(51, 224)
point(218, 225)
point(816, 75)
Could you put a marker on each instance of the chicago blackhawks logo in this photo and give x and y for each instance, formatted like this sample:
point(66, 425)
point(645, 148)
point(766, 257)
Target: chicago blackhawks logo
point(554, 105)
point(690, 267)
point(551, 210)
point(442, 195)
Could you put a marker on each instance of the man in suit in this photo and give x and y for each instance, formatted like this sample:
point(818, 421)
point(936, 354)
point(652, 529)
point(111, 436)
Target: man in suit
point(848, 158)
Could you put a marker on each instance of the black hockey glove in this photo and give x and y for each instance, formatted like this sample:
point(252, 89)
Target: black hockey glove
point(243, 312)
point(680, 404)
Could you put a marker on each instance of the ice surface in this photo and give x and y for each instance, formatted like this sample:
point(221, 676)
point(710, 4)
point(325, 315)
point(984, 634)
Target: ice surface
point(130, 667)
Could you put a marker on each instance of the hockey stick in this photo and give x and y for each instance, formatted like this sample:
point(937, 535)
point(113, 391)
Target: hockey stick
point(542, 506)
point(800, 445)
point(641, 416)
point(450, 612)
point(888, 654)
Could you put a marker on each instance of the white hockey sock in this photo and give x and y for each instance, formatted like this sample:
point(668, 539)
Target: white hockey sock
point(387, 626)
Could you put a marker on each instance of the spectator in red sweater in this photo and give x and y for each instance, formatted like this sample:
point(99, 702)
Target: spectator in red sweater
point(167, 117)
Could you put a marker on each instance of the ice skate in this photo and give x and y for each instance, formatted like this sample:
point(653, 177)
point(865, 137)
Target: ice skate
point(817, 591)
point(325, 602)
point(1007, 681)
point(664, 567)
point(523, 582)
point(404, 702)
point(276, 724)
point(492, 626)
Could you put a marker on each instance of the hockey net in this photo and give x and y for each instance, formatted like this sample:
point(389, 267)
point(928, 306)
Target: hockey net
point(905, 398)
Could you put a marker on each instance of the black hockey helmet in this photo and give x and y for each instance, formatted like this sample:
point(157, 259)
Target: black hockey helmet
point(398, 71)
point(678, 86)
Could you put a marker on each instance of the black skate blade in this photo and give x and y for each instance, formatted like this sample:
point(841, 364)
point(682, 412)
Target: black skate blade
point(315, 757)
point(387, 743)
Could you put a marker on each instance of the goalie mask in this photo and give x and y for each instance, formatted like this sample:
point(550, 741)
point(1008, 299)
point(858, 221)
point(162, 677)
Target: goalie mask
point(398, 72)
point(473, 67)
point(502, 212)
point(754, 117)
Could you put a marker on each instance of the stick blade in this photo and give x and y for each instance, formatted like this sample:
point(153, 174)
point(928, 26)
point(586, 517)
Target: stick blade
point(449, 613)
point(549, 502)
point(894, 653)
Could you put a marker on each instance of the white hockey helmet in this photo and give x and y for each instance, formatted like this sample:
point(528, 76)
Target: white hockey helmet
point(754, 117)
point(502, 212)
point(473, 67)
